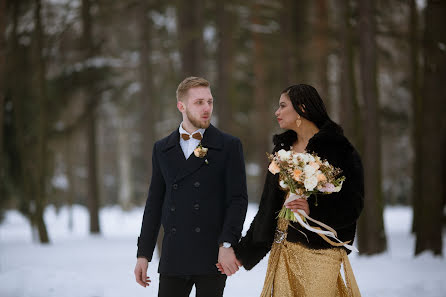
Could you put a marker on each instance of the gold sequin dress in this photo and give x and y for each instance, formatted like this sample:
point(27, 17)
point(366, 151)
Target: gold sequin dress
point(296, 270)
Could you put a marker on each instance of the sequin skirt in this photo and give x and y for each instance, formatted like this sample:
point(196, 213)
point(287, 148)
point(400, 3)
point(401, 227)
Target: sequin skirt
point(295, 270)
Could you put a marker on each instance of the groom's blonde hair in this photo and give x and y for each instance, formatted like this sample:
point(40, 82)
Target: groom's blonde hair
point(189, 83)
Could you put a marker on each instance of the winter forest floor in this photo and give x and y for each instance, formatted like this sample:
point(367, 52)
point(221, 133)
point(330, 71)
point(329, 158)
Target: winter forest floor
point(76, 264)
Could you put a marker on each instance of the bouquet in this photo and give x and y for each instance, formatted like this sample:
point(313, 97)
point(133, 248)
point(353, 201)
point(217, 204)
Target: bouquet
point(304, 174)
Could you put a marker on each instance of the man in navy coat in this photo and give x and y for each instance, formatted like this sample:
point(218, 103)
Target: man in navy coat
point(198, 193)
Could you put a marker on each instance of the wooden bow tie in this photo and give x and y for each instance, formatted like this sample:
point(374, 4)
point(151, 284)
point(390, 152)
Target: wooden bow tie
point(196, 135)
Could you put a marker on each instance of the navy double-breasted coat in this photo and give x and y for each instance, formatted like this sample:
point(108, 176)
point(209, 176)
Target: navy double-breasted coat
point(201, 202)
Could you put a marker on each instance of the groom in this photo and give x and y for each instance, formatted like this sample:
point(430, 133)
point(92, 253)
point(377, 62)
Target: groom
point(198, 193)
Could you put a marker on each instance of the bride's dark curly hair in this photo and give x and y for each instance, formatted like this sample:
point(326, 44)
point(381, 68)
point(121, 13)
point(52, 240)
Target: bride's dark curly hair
point(306, 97)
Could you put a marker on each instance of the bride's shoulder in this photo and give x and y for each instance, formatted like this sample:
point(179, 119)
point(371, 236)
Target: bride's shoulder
point(284, 140)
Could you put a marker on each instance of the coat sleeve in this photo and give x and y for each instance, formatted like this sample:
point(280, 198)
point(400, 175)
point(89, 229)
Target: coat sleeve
point(152, 212)
point(258, 240)
point(341, 210)
point(236, 201)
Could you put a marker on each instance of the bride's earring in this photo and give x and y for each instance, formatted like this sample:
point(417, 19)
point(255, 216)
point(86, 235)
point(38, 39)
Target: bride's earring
point(298, 122)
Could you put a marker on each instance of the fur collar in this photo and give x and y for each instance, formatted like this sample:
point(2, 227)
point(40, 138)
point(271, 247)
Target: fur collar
point(330, 136)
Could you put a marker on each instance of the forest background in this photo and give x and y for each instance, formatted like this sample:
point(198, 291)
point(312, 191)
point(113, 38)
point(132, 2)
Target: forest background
point(87, 87)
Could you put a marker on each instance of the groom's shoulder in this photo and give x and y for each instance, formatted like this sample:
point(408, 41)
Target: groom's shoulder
point(165, 141)
point(227, 138)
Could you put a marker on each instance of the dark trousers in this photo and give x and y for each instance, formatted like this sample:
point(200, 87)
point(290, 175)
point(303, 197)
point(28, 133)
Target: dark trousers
point(211, 285)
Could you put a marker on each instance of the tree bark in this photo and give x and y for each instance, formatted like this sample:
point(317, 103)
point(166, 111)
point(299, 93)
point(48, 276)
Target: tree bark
point(92, 160)
point(416, 109)
point(371, 235)
point(42, 137)
point(288, 47)
point(350, 116)
point(147, 98)
point(124, 163)
point(190, 35)
point(429, 223)
point(261, 126)
point(2, 86)
point(225, 64)
point(294, 55)
point(322, 50)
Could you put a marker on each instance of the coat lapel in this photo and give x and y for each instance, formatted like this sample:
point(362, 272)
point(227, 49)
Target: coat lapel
point(174, 154)
point(213, 141)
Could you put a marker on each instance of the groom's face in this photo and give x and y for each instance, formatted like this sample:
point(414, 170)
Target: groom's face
point(197, 107)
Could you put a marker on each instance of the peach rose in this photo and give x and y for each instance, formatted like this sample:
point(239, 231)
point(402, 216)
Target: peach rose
point(315, 165)
point(296, 174)
point(321, 177)
point(274, 168)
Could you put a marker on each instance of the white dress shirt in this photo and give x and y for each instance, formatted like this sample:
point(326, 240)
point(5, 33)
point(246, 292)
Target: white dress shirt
point(188, 146)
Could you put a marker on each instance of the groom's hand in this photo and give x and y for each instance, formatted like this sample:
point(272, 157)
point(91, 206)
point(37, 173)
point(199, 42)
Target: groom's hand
point(141, 272)
point(228, 261)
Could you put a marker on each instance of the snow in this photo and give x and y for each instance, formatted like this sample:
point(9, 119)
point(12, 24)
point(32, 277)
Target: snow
point(77, 264)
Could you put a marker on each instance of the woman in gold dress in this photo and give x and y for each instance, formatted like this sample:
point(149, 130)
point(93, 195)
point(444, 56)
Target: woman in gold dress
point(302, 263)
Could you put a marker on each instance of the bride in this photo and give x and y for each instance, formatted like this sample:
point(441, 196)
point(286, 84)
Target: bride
point(301, 262)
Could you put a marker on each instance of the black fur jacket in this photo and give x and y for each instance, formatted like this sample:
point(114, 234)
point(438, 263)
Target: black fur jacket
point(338, 210)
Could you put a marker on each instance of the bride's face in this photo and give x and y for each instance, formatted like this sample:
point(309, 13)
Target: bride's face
point(286, 114)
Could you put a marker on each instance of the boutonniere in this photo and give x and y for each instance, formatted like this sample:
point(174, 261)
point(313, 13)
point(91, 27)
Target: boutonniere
point(200, 151)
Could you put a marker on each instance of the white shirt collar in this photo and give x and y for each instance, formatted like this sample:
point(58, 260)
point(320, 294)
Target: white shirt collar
point(182, 131)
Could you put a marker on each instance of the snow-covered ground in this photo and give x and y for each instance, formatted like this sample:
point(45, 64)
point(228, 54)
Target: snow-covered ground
point(76, 264)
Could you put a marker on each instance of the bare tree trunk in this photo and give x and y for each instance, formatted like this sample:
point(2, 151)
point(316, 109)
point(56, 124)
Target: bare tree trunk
point(322, 50)
point(288, 47)
point(2, 86)
point(93, 189)
point(147, 98)
point(225, 63)
point(124, 163)
point(261, 125)
point(190, 34)
point(42, 141)
point(417, 111)
point(69, 160)
point(429, 222)
point(294, 56)
point(350, 115)
point(371, 235)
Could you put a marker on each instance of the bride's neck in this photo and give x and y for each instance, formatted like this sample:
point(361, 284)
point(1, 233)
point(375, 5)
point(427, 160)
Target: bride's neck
point(304, 134)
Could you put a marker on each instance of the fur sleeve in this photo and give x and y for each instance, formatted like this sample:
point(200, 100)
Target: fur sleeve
point(341, 210)
point(258, 240)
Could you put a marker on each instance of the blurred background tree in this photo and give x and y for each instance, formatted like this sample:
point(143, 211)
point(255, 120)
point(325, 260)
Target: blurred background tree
point(87, 87)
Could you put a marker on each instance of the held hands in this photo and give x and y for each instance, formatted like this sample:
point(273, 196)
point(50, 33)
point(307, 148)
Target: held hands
point(227, 262)
point(141, 272)
point(297, 204)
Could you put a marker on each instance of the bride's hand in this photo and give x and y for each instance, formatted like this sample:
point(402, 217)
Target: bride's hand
point(297, 204)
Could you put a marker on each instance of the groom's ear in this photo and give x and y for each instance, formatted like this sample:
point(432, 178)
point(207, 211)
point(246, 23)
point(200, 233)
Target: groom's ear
point(180, 106)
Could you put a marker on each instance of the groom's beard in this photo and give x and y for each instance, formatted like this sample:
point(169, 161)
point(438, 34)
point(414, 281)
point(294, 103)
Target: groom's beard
point(200, 124)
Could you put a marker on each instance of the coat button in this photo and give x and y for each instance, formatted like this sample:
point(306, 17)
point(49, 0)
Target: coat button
point(196, 184)
point(197, 229)
point(196, 206)
point(172, 208)
point(175, 186)
point(173, 230)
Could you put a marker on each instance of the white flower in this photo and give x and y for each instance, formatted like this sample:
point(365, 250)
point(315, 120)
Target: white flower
point(283, 185)
point(295, 159)
point(284, 155)
point(309, 170)
point(310, 183)
point(310, 158)
point(303, 157)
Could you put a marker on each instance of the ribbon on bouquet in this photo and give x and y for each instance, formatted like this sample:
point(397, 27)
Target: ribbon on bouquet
point(329, 232)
